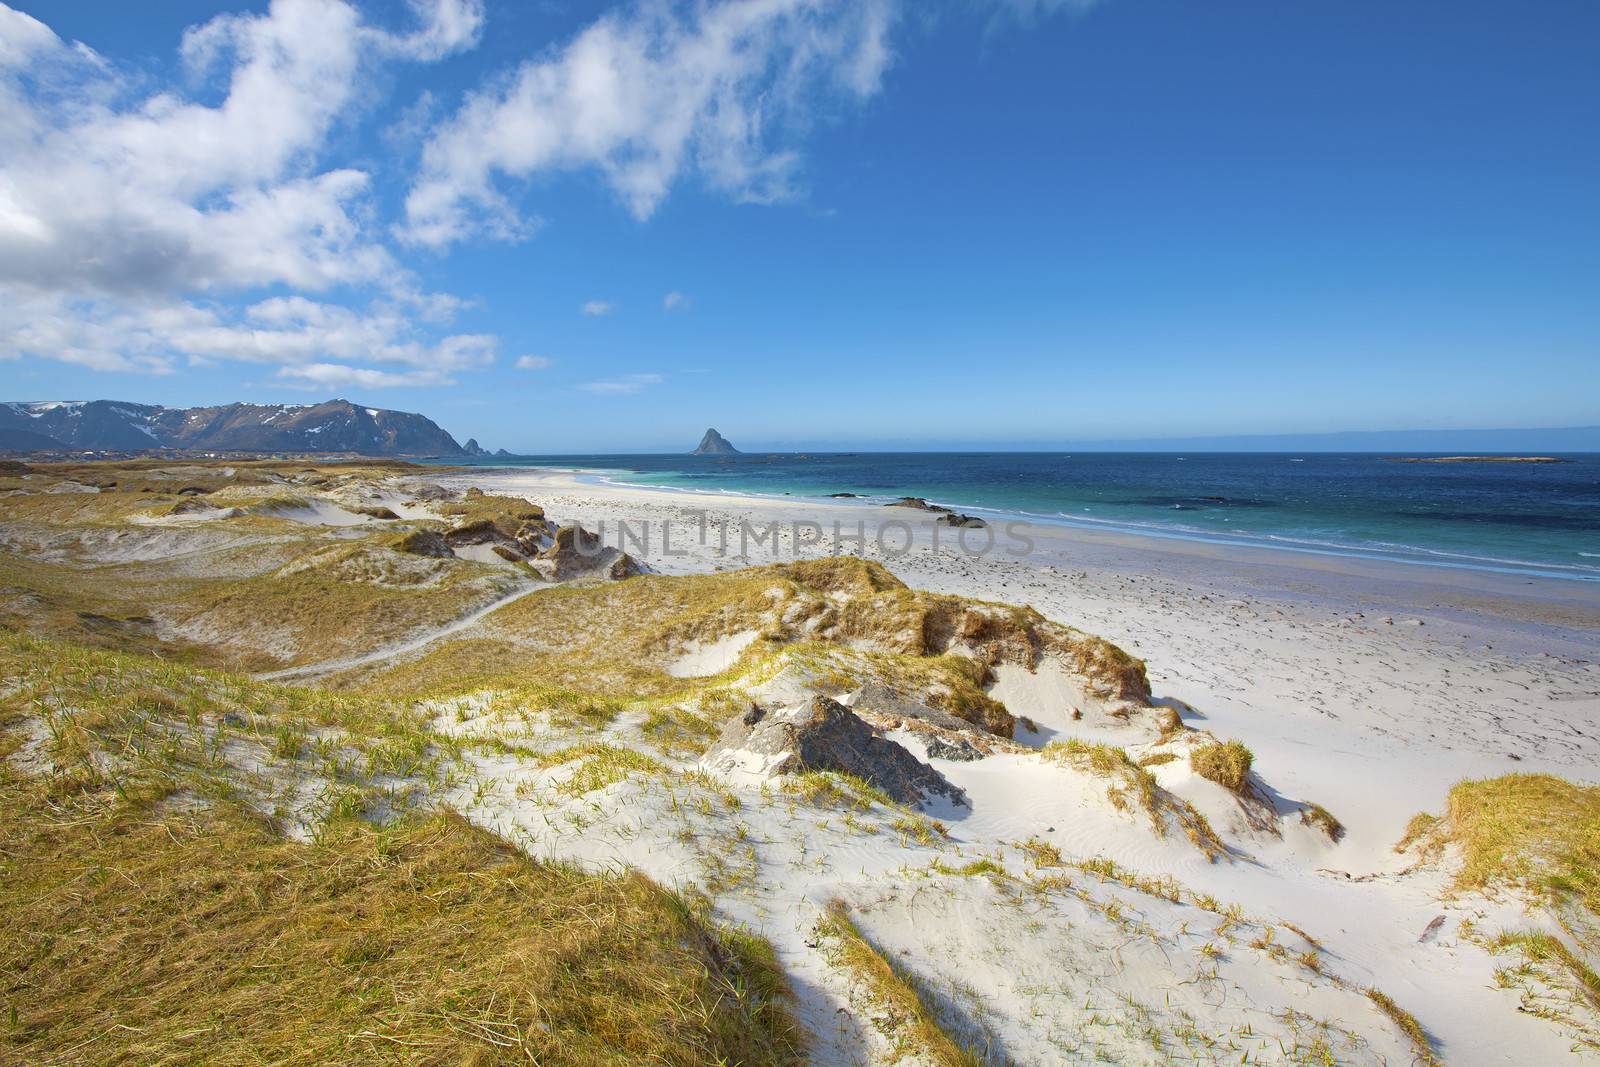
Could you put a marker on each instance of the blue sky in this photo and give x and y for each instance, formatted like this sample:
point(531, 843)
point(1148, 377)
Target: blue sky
point(967, 223)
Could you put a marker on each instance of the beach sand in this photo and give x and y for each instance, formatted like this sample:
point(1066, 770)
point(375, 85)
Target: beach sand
point(1367, 686)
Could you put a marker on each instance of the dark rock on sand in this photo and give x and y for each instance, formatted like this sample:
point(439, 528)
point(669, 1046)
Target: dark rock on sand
point(576, 553)
point(875, 698)
point(954, 749)
point(824, 735)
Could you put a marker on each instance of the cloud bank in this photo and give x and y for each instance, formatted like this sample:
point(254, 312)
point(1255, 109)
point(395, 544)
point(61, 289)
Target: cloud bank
point(228, 211)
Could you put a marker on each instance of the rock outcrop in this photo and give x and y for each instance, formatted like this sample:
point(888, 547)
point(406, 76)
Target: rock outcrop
point(824, 735)
point(917, 503)
point(714, 444)
point(944, 735)
point(576, 553)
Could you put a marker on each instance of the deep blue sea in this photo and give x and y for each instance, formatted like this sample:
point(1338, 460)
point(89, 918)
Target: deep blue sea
point(1518, 517)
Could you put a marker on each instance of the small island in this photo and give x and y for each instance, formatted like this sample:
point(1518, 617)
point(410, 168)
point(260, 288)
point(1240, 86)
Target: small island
point(1477, 459)
point(714, 444)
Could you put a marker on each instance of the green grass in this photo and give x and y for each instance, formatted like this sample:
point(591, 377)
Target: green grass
point(1537, 834)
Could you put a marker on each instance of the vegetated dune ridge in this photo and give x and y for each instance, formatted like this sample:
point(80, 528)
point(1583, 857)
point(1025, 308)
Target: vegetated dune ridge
point(1104, 879)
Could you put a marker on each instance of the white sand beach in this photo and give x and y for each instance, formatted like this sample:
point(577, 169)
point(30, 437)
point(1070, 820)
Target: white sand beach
point(1368, 687)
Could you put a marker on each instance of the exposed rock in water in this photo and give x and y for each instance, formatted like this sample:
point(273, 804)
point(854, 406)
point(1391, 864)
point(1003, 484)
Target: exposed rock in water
point(841, 496)
point(576, 553)
point(714, 444)
point(918, 503)
point(955, 518)
point(824, 735)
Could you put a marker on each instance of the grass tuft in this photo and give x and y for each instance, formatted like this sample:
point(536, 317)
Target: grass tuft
point(1226, 763)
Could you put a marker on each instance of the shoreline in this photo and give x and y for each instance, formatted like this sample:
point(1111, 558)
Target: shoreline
point(1409, 678)
point(1404, 555)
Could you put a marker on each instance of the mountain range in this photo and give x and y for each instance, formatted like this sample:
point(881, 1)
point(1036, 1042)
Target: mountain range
point(116, 426)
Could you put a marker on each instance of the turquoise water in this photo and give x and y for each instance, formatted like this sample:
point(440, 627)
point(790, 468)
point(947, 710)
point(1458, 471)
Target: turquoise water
point(1519, 517)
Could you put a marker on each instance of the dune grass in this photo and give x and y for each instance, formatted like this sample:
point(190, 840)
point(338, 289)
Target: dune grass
point(1319, 817)
point(1540, 835)
point(1408, 1025)
point(1534, 830)
point(153, 916)
point(1226, 763)
point(141, 931)
point(1133, 780)
point(917, 1030)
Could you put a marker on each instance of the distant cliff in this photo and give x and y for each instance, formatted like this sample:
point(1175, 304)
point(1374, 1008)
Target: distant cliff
point(110, 425)
point(714, 444)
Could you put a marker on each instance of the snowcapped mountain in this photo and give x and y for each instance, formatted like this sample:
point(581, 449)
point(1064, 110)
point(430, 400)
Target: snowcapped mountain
point(111, 425)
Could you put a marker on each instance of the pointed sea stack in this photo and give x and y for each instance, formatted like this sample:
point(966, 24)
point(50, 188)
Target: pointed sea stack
point(714, 444)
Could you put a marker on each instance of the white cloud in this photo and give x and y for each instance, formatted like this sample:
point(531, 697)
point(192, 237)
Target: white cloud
point(446, 27)
point(141, 225)
point(674, 301)
point(645, 96)
point(628, 383)
point(534, 362)
point(125, 218)
point(337, 376)
point(1030, 11)
point(292, 332)
point(596, 308)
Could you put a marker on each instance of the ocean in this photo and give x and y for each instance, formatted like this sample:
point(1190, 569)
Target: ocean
point(1535, 518)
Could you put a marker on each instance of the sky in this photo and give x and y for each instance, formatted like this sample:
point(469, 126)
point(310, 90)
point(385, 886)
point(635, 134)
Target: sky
point(587, 227)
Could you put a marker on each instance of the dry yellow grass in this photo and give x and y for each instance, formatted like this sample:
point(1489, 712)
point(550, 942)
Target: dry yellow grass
point(1226, 763)
point(1535, 830)
point(917, 1031)
point(152, 918)
point(1538, 834)
point(505, 514)
point(1129, 779)
point(138, 933)
point(1408, 1025)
